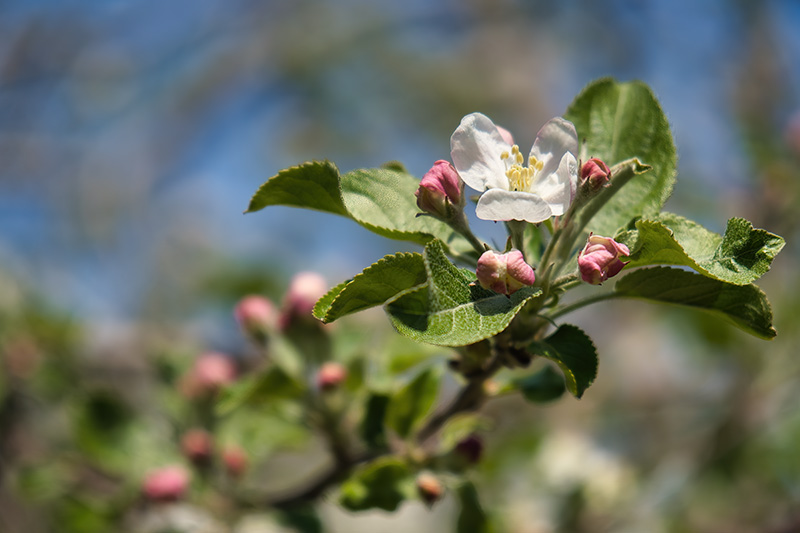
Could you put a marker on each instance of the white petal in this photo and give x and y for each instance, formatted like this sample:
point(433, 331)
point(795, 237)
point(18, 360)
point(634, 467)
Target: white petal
point(557, 188)
point(475, 148)
point(499, 204)
point(557, 137)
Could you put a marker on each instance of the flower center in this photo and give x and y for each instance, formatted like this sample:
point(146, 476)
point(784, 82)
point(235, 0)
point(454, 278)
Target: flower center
point(520, 178)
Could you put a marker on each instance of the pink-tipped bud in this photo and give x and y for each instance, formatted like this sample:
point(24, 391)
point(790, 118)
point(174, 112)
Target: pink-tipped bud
point(197, 446)
point(167, 484)
point(211, 371)
point(331, 375)
point(504, 273)
point(595, 174)
point(429, 488)
point(255, 314)
point(440, 190)
point(301, 297)
point(601, 259)
point(235, 460)
point(470, 448)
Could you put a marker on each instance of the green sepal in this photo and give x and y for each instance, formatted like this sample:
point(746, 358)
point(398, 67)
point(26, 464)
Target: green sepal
point(574, 353)
point(450, 309)
point(744, 306)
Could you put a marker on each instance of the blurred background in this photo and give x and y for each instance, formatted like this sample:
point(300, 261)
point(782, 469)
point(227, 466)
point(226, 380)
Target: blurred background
point(132, 135)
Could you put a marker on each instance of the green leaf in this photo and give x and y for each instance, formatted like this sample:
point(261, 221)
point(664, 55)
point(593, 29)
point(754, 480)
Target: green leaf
point(376, 284)
point(312, 185)
point(448, 310)
point(745, 306)
point(740, 257)
point(471, 516)
point(459, 428)
point(413, 401)
point(542, 386)
point(372, 426)
point(382, 484)
point(617, 122)
point(271, 385)
point(574, 353)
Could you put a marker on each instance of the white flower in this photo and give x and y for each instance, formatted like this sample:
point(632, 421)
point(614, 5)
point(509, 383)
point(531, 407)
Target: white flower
point(486, 160)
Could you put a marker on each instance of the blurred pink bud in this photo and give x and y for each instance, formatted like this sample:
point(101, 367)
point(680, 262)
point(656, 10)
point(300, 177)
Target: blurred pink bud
point(255, 314)
point(440, 190)
point(331, 375)
point(600, 259)
point(197, 446)
point(506, 135)
point(211, 371)
point(166, 484)
point(471, 448)
point(595, 174)
point(235, 460)
point(304, 291)
point(429, 488)
point(504, 273)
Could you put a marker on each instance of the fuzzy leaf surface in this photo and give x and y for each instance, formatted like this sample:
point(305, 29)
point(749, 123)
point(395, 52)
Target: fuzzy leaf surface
point(372, 287)
point(574, 353)
point(745, 306)
point(621, 121)
point(740, 256)
point(448, 310)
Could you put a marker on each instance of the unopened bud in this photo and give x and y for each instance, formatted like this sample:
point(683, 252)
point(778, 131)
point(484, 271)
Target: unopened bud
point(504, 273)
point(197, 445)
point(595, 174)
point(429, 488)
point(166, 484)
point(301, 297)
point(470, 448)
point(331, 375)
point(211, 371)
point(235, 460)
point(440, 190)
point(600, 259)
point(255, 314)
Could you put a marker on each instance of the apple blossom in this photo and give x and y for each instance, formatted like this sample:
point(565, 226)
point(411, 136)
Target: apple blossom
point(504, 273)
point(486, 161)
point(255, 314)
point(600, 259)
point(595, 174)
point(331, 375)
point(166, 484)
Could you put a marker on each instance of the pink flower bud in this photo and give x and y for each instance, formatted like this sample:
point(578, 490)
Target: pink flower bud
point(301, 297)
point(595, 174)
point(600, 259)
point(235, 460)
point(440, 190)
point(429, 488)
point(255, 314)
point(197, 446)
point(504, 273)
point(331, 375)
point(211, 371)
point(166, 484)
